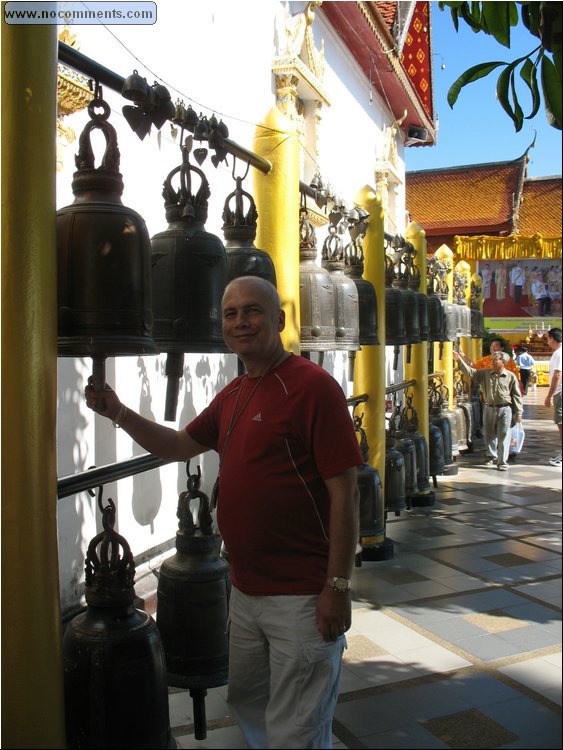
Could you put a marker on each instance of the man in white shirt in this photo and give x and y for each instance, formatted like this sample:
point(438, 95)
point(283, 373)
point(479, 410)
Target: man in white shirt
point(553, 397)
point(525, 363)
point(517, 278)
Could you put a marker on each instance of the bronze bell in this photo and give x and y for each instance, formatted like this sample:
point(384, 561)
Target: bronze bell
point(115, 689)
point(189, 275)
point(436, 463)
point(239, 229)
point(346, 301)
point(394, 491)
point(409, 427)
point(421, 302)
point(477, 324)
point(395, 324)
point(440, 419)
point(367, 298)
point(372, 511)
point(316, 293)
point(103, 260)
point(436, 319)
point(403, 272)
point(193, 601)
point(135, 88)
point(405, 444)
point(451, 319)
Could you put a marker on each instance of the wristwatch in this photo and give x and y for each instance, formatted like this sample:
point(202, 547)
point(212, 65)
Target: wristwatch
point(339, 584)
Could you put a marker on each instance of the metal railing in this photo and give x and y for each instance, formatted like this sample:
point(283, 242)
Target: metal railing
point(96, 476)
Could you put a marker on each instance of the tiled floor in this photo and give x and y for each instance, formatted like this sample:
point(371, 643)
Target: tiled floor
point(456, 640)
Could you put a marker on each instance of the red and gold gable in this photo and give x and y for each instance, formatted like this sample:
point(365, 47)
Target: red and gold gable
point(416, 56)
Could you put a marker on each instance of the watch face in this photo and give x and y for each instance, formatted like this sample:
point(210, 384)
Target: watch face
point(340, 584)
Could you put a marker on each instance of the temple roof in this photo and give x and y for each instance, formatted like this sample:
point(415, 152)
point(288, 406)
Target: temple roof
point(403, 78)
point(472, 199)
point(541, 207)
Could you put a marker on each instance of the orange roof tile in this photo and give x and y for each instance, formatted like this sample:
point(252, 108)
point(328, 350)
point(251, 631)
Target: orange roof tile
point(387, 10)
point(472, 199)
point(541, 207)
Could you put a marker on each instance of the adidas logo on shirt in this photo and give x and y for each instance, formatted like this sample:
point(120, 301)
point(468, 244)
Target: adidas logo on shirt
point(257, 417)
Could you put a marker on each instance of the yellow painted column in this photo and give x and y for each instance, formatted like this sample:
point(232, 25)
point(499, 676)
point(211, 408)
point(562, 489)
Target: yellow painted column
point(369, 372)
point(417, 369)
point(277, 200)
point(445, 363)
point(32, 674)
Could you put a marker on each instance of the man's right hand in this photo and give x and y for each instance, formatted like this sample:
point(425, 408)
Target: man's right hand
point(106, 403)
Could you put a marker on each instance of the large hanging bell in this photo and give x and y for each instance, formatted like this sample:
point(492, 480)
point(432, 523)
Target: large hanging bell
point(372, 511)
point(103, 259)
point(403, 273)
point(395, 322)
point(316, 293)
point(395, 488)
point(115, 688)
point(193, 601)
point(189, 275)
point(406, 446)
point(409, 427)
point(436, 319)
point(239, 229)
point(367, 298)
point(346, 301)
point(421, 302)
point(436, 463)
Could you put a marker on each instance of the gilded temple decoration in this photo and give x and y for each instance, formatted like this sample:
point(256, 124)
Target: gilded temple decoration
point(299, 72)
point(388, 177)
point(73, 94)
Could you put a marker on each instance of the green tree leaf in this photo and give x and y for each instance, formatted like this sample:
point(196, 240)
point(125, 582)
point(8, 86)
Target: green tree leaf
point(544, 21)
point(518, 113)
point(474, 21)
point(557, 62)
point(551, 87)
point(502, 92)
point(469, 76)
point(528, 74)
point(496, 20)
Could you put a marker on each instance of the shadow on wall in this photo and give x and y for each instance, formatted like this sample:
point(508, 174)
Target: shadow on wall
point(147, 487)
point(77, 512)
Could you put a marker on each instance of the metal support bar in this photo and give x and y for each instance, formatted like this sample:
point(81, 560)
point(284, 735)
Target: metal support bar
point(93, 478)
point(399, 386)
point(263, 165)
point(88, 67)
point(309, 191)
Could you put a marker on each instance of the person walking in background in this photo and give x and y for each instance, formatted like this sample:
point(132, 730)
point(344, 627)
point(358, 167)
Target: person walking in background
point(287, 511)
point(525, 363)
point(553, 397)
point(503, 401)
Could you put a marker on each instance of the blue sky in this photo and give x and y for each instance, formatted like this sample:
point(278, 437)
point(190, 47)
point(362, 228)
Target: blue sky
point(477, 130)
